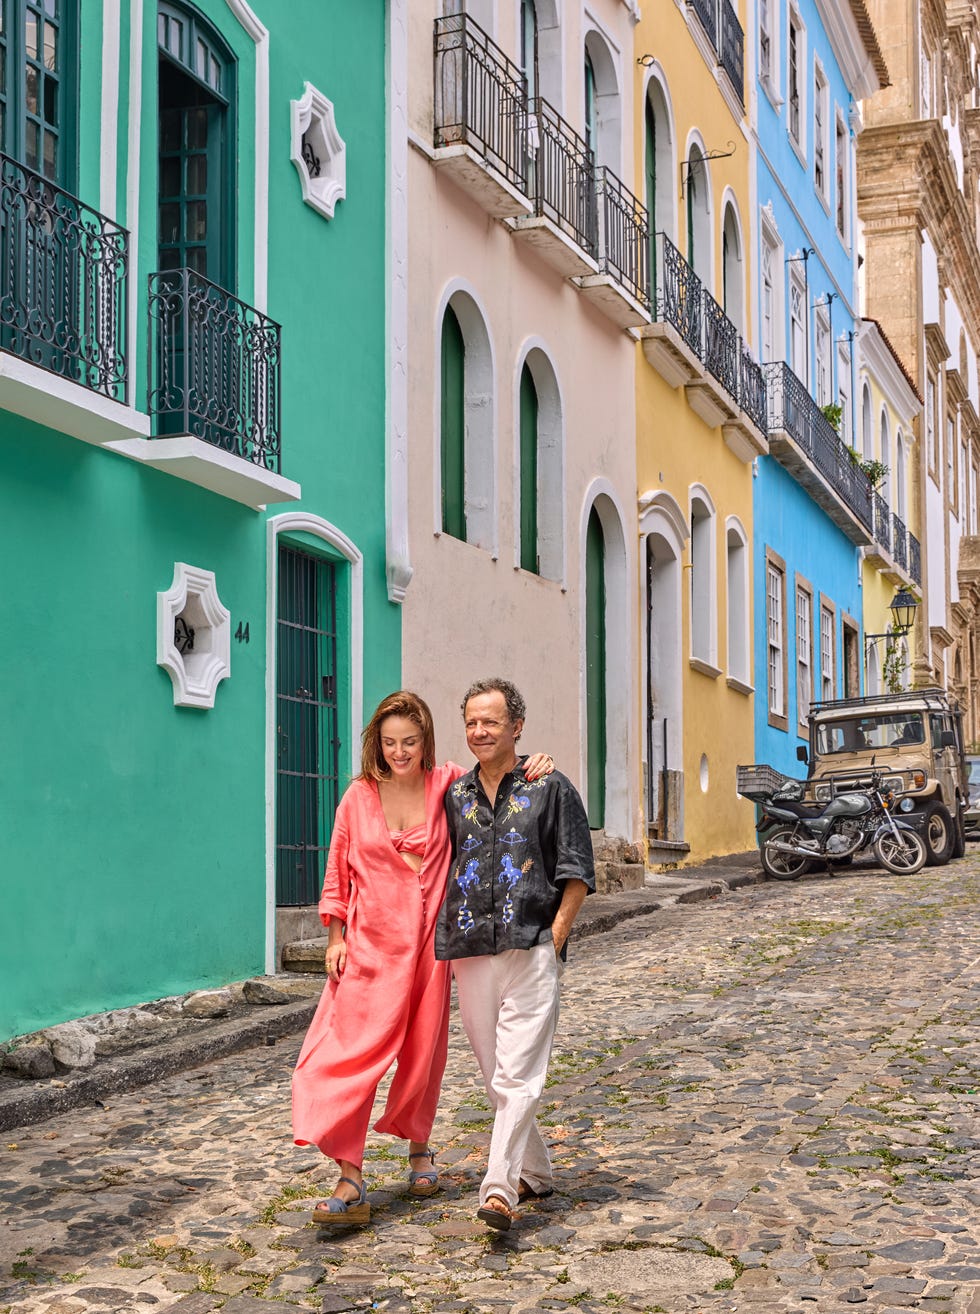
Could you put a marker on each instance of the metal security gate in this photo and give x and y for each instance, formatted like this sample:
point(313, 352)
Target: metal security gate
point(307, 741)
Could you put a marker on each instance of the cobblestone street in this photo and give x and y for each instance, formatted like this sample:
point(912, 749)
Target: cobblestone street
point(768, 1101)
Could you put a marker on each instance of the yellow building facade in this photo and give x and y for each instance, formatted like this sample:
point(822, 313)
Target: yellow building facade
point(700, 408)
point(889, 406)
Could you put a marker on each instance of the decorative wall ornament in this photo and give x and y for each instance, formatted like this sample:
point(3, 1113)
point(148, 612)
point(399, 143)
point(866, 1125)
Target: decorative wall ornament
point(318, 151)
point(193, 636)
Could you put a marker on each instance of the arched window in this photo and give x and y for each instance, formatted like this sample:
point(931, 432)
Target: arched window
point(38, 80)
point(529, 46)
point(466, 429)
point(591, 109)
point(737, 561)
point(732, 267)
point(698, 213)
point(529, 471)
point(900, 475)
point(541, 476)
point(197, 153)
point(703, 585)
point(602, 103)
point(867, 438)
point(885, 457)
point(595, 669)
point(453, 429)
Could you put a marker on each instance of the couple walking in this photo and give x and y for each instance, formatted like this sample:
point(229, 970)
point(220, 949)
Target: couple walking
point(512, 837)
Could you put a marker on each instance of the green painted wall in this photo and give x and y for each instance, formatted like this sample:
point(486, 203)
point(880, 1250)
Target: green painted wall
point(134, 846)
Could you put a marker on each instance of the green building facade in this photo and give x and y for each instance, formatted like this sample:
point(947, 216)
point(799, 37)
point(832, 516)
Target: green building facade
point(193, 384)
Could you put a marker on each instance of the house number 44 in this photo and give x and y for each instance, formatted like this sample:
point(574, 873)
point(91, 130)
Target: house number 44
point(241, 634)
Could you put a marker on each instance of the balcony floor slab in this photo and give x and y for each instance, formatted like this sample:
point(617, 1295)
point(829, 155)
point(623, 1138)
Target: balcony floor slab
point(744, 438)
point(612, 298)
point(555, 247)
point(65, 406)
point(806, 474)
point(669, 354)
point(708, 399)
point(210, 467)
point(481, 181)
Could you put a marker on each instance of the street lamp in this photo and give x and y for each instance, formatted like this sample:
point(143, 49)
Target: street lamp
point(903, 607)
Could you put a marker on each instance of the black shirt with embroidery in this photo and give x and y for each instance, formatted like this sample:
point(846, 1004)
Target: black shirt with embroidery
point(510, 862)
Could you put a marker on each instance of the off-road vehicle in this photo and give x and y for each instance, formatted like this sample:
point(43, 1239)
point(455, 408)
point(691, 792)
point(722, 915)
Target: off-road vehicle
point(915, 739)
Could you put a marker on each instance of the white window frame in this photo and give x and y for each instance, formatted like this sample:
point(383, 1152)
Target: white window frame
point(796, 77)
point(822, 358)
point(775, 638)
point(821, 117)
point(767, 43)
point(842, 174)
point(797, 327)
point(737, 557)
point(804, 651)
point(844, 395)
point(772, 283)
point(704, 584)
point(827, 636)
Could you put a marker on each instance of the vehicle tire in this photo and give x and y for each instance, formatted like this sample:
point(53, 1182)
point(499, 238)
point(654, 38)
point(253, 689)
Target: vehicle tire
point(937, 831)
point(782, 866)
point(904, 853)
point(959, 835)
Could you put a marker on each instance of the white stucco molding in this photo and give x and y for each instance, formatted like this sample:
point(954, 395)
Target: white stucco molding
point(397, 552)
point(300, 522)
point(193, 636)
point(318, 150)
point(260, 35)
point(660, 512)
point(874, 355)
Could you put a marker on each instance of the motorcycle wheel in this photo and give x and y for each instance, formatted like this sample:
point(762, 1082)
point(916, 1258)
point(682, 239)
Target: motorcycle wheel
point(904, 853)
point(782, 866)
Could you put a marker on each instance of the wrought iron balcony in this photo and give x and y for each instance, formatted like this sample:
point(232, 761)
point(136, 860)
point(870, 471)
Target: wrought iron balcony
point(721, 346)
point(624, 236)
point(882, 523)
point(829, 467)
point(678, 294)
point(731, 50)
point(915, 559)
point(480, 98)
point(900, 536)
point(561, 176)
point(752, 392)
point(707, 12)
point(63, 275)
point(214, 368)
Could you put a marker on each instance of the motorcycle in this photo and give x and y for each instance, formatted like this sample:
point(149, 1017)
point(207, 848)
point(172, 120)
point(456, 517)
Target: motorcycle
point(799, 833)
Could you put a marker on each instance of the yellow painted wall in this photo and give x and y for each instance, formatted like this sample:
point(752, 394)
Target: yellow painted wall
point(676, 449)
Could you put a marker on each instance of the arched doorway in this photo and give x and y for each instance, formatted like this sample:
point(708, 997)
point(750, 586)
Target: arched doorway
point(595, 670)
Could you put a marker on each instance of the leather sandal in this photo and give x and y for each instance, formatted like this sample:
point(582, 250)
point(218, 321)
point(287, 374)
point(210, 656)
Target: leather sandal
point(525, 1192)
point(335, 1210)
point(426, 1180)
point(496, 1213)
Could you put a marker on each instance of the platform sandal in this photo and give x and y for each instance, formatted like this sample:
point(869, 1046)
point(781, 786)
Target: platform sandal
point(496, 1213)
point(426, 1181)
point(335, 1211)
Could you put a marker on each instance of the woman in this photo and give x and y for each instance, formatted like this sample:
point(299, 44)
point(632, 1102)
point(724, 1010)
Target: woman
point(387, 998)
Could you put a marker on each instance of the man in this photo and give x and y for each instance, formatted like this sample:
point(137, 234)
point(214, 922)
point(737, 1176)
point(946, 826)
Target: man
point(521, 866)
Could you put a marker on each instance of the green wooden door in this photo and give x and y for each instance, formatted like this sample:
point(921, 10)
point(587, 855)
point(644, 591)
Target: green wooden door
point(453, 421)
point(650, 139)
point(529, 473)
point(595, 669)
point(307, 724)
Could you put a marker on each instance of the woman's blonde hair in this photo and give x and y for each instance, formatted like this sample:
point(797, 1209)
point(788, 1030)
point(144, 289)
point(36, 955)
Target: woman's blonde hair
point(413, 708)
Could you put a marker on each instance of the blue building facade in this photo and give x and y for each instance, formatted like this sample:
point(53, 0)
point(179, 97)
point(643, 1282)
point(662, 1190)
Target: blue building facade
point(812, 505)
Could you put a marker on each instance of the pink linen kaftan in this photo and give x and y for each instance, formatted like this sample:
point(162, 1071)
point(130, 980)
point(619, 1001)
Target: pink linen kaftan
point(392, 1002)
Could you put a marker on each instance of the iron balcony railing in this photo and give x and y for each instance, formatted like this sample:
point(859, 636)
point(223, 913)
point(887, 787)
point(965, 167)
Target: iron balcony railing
point(214, 367)
point(707, 12)
point(900, 535)
point(883, 522)
point(792, 409)
point(752, 391)
point(677, 296)
point(480, 97)
point(561, 175)
point(915, 559)
point(721, 346)
point(624, 236)
point(63, 278)
point(731, 48)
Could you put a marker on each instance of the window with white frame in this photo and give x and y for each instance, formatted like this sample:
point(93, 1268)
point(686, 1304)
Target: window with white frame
point(771, 287)
point(822, 358)
point(950, 460)
point(844, 395)
point(797, 330)
point(703, 628)
point(826, 652)
point(900, 509)
point(975, 500)
point(841, 171)
point(867, 437)
point(766, 41)
point(794, 79)
point(820, 119)
point(739, 655)
point(964, 488)
point(775, 629)
point(804, 652)
point(931, 422)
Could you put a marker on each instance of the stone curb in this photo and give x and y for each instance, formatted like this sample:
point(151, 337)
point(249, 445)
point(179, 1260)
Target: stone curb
point(600, 913)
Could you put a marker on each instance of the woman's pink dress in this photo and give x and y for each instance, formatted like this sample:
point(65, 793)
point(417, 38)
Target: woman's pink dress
point(392, 1002)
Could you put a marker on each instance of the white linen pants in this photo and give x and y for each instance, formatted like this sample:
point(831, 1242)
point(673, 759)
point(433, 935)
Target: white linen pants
point(509, 1006)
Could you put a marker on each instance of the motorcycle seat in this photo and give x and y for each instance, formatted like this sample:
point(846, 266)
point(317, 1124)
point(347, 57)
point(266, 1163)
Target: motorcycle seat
point(805, 811)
